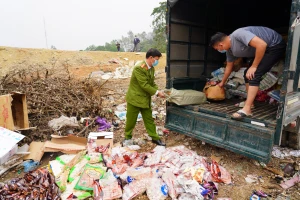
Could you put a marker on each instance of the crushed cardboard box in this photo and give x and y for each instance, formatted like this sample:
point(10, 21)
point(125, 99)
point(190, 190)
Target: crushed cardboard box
point(72, 144)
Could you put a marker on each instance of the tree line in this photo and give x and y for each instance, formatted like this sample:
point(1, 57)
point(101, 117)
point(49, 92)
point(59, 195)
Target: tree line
point(155, 39)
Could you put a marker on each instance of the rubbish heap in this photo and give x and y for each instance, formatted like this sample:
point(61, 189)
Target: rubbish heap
point(103, 172)
point(235, 86)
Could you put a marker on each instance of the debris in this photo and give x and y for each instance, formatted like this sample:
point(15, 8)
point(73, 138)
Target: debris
point(36, 150)
point(114, 61)
point(289, 170)
point(9, 147)
point(291, 182)
point(30, 165)
point(58, 123)
point(282, 153)
point(275, 171)
point(159, 130)
point(103, 124)
point(38, 184)
point(122, 115)
point(251, 179)
point(125, 58)
point(216, 158)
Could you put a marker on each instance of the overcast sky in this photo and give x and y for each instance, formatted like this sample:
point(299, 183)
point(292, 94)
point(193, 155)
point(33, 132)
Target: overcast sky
point(71, 24)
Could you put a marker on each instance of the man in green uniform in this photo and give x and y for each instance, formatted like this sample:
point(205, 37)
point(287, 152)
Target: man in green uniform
point(139, 93)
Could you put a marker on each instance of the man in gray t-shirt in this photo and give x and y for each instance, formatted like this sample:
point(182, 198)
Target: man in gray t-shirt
point(261, 43)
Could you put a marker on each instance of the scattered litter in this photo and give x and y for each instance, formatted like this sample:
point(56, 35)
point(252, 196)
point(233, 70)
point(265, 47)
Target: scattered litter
point(63, 121)
point(159, 130)
point(122, 115)
point(282, 153)
point(125, 58)
point(251, 179)
point(103, 124)
point(115, 61)
point(30, 165)
point(290, 183)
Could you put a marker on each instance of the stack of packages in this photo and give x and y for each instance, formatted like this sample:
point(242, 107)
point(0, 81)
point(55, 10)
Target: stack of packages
point(175, 171)
point(235, 86)
point(124, 173)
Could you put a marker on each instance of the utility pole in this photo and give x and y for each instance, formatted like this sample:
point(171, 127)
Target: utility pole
point(45, 32)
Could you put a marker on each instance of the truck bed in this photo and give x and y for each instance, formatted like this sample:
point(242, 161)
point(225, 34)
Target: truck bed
point(263, 112)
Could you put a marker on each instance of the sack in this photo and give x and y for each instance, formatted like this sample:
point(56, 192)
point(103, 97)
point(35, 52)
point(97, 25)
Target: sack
point(214, 92)
point(185, 97)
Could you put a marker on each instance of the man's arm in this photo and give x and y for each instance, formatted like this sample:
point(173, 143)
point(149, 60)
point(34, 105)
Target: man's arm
point(260, 47)
point(228, 70)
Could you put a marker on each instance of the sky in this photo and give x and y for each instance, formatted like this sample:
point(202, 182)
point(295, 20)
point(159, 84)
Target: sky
point(71, 24)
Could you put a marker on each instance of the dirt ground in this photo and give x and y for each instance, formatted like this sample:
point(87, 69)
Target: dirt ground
point(81, 64)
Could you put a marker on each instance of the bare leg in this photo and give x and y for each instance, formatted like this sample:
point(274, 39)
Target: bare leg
point(252, 91)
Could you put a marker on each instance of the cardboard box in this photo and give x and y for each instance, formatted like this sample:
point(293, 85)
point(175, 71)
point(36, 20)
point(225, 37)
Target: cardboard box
point(72, 144)
point(13, 111)
point(9, 146)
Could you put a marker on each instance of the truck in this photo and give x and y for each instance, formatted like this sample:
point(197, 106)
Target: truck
point(190, 61)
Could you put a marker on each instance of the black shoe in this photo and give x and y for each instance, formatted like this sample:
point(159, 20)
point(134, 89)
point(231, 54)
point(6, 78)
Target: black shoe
point(158, 142)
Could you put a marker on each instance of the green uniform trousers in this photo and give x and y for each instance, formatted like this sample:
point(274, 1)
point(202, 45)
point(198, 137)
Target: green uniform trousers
point(131, 118)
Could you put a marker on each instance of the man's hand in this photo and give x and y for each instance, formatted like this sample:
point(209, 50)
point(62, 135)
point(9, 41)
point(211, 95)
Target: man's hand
point(161, 94)
point(250, 72)
point(221, 84)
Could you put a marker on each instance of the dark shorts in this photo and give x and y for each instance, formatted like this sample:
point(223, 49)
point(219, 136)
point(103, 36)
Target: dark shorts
point(271, 57)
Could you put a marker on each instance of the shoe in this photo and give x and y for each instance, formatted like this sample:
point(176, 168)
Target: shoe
point(158, 142)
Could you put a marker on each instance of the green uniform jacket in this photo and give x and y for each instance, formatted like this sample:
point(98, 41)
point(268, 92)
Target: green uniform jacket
point(141, 86)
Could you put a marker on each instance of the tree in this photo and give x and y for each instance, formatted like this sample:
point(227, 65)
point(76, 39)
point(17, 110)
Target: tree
point(159, 26)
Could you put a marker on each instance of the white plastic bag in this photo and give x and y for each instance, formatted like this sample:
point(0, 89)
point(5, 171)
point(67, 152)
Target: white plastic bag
point(58, 123)
point(174, 188)
point(133, 189)
point(156, 189)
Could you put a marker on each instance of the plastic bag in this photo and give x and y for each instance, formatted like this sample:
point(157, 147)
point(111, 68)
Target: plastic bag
point(190, 186)
point(219, 173)
point(232, 84)
point(156, 189)
point(110, 186)
point(97, 191)
point(134, 188)
point(185, 97)
point(62, 121)
point(268, 81)
point(155, 158)
point(136, 174)
point(174, 187)
point(87, 177)
point(77, 169)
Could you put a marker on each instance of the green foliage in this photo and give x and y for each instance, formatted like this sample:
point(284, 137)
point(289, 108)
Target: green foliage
point(159, 26)
point(155, 39)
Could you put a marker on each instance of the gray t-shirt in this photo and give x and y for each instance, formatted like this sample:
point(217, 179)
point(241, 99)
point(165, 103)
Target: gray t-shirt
point(241, 37)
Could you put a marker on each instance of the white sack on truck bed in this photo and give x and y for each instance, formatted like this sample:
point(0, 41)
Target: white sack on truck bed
point(185, 97)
